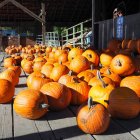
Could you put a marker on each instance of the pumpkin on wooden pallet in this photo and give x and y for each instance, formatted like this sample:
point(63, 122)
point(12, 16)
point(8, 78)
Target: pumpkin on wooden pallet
point(6, 91)
point(59, 96)
point(93, 119)
point(31, 104)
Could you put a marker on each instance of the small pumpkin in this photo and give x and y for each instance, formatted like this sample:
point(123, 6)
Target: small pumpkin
point(94, 119)
point(36, 81)
point(28, 67)
point(92, 56)
point(6, 91)
point(122, 65)
point(79, 64)
point(31, 104)
point(10, 75)
point(58, 71)
point(74, 52)
point(9, 62)
point(100, 93)
point(47, 69)
point(79, 90)
point(16, 69)
point(59, 96)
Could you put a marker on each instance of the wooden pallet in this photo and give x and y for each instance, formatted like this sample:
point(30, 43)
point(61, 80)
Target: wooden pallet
point(58, 125)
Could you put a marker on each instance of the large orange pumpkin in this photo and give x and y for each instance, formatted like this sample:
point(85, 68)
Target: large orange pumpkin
point(59, 96)
point(31, 104)
point(28, 67)
point(93, 120)
point(122, 65)
point(6, 91)
point(123, 103)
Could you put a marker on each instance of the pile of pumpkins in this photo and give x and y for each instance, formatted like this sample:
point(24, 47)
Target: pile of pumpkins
point(104, 84)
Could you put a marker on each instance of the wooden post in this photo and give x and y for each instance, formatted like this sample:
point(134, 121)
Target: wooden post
point(43, 24)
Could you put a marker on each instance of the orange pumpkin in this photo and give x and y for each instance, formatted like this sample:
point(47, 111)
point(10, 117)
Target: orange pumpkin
point(92, 56)
point(6, 91)
point(16, 69)
point(93, 120)
point(64, 79)
point(46, 69)
point(100, 93)
point(74, 52)
point(10, 75)
point(105, 59)
point(59, 95)
point(122, 65)
point(132, 82)
point(36, 81)
point(85, 75)
point(123, 103)
point(38, 65)
point(30, 104)
point(9, 62)
point(79, 91)
point(58, 71)
point(79, 64)
point(28, 67)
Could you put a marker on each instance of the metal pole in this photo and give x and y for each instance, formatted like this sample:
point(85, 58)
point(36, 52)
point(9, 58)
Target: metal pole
point(43, 24)
point(93, 20)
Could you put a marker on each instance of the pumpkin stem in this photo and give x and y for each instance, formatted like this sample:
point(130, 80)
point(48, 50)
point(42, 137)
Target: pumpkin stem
point(76, 80)
point(92, 67)
point(90, 55)
point(100, 65)
point(90, 102)
point(118, 62)
point(43, 105)
point(70, 73)
point(108, 72)
point(60, 62)
point(100, 78)
point(106, 101)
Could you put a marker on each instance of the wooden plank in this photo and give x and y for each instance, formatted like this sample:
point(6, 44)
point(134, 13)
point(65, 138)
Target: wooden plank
point(133, 126)
point(64, 126)
point(114, 132)
point(44, 129)
point(25, 129)
point(6, 122)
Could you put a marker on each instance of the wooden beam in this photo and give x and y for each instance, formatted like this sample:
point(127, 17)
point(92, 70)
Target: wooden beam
point(43, 24)
point(23, 8)
point(4, 3)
